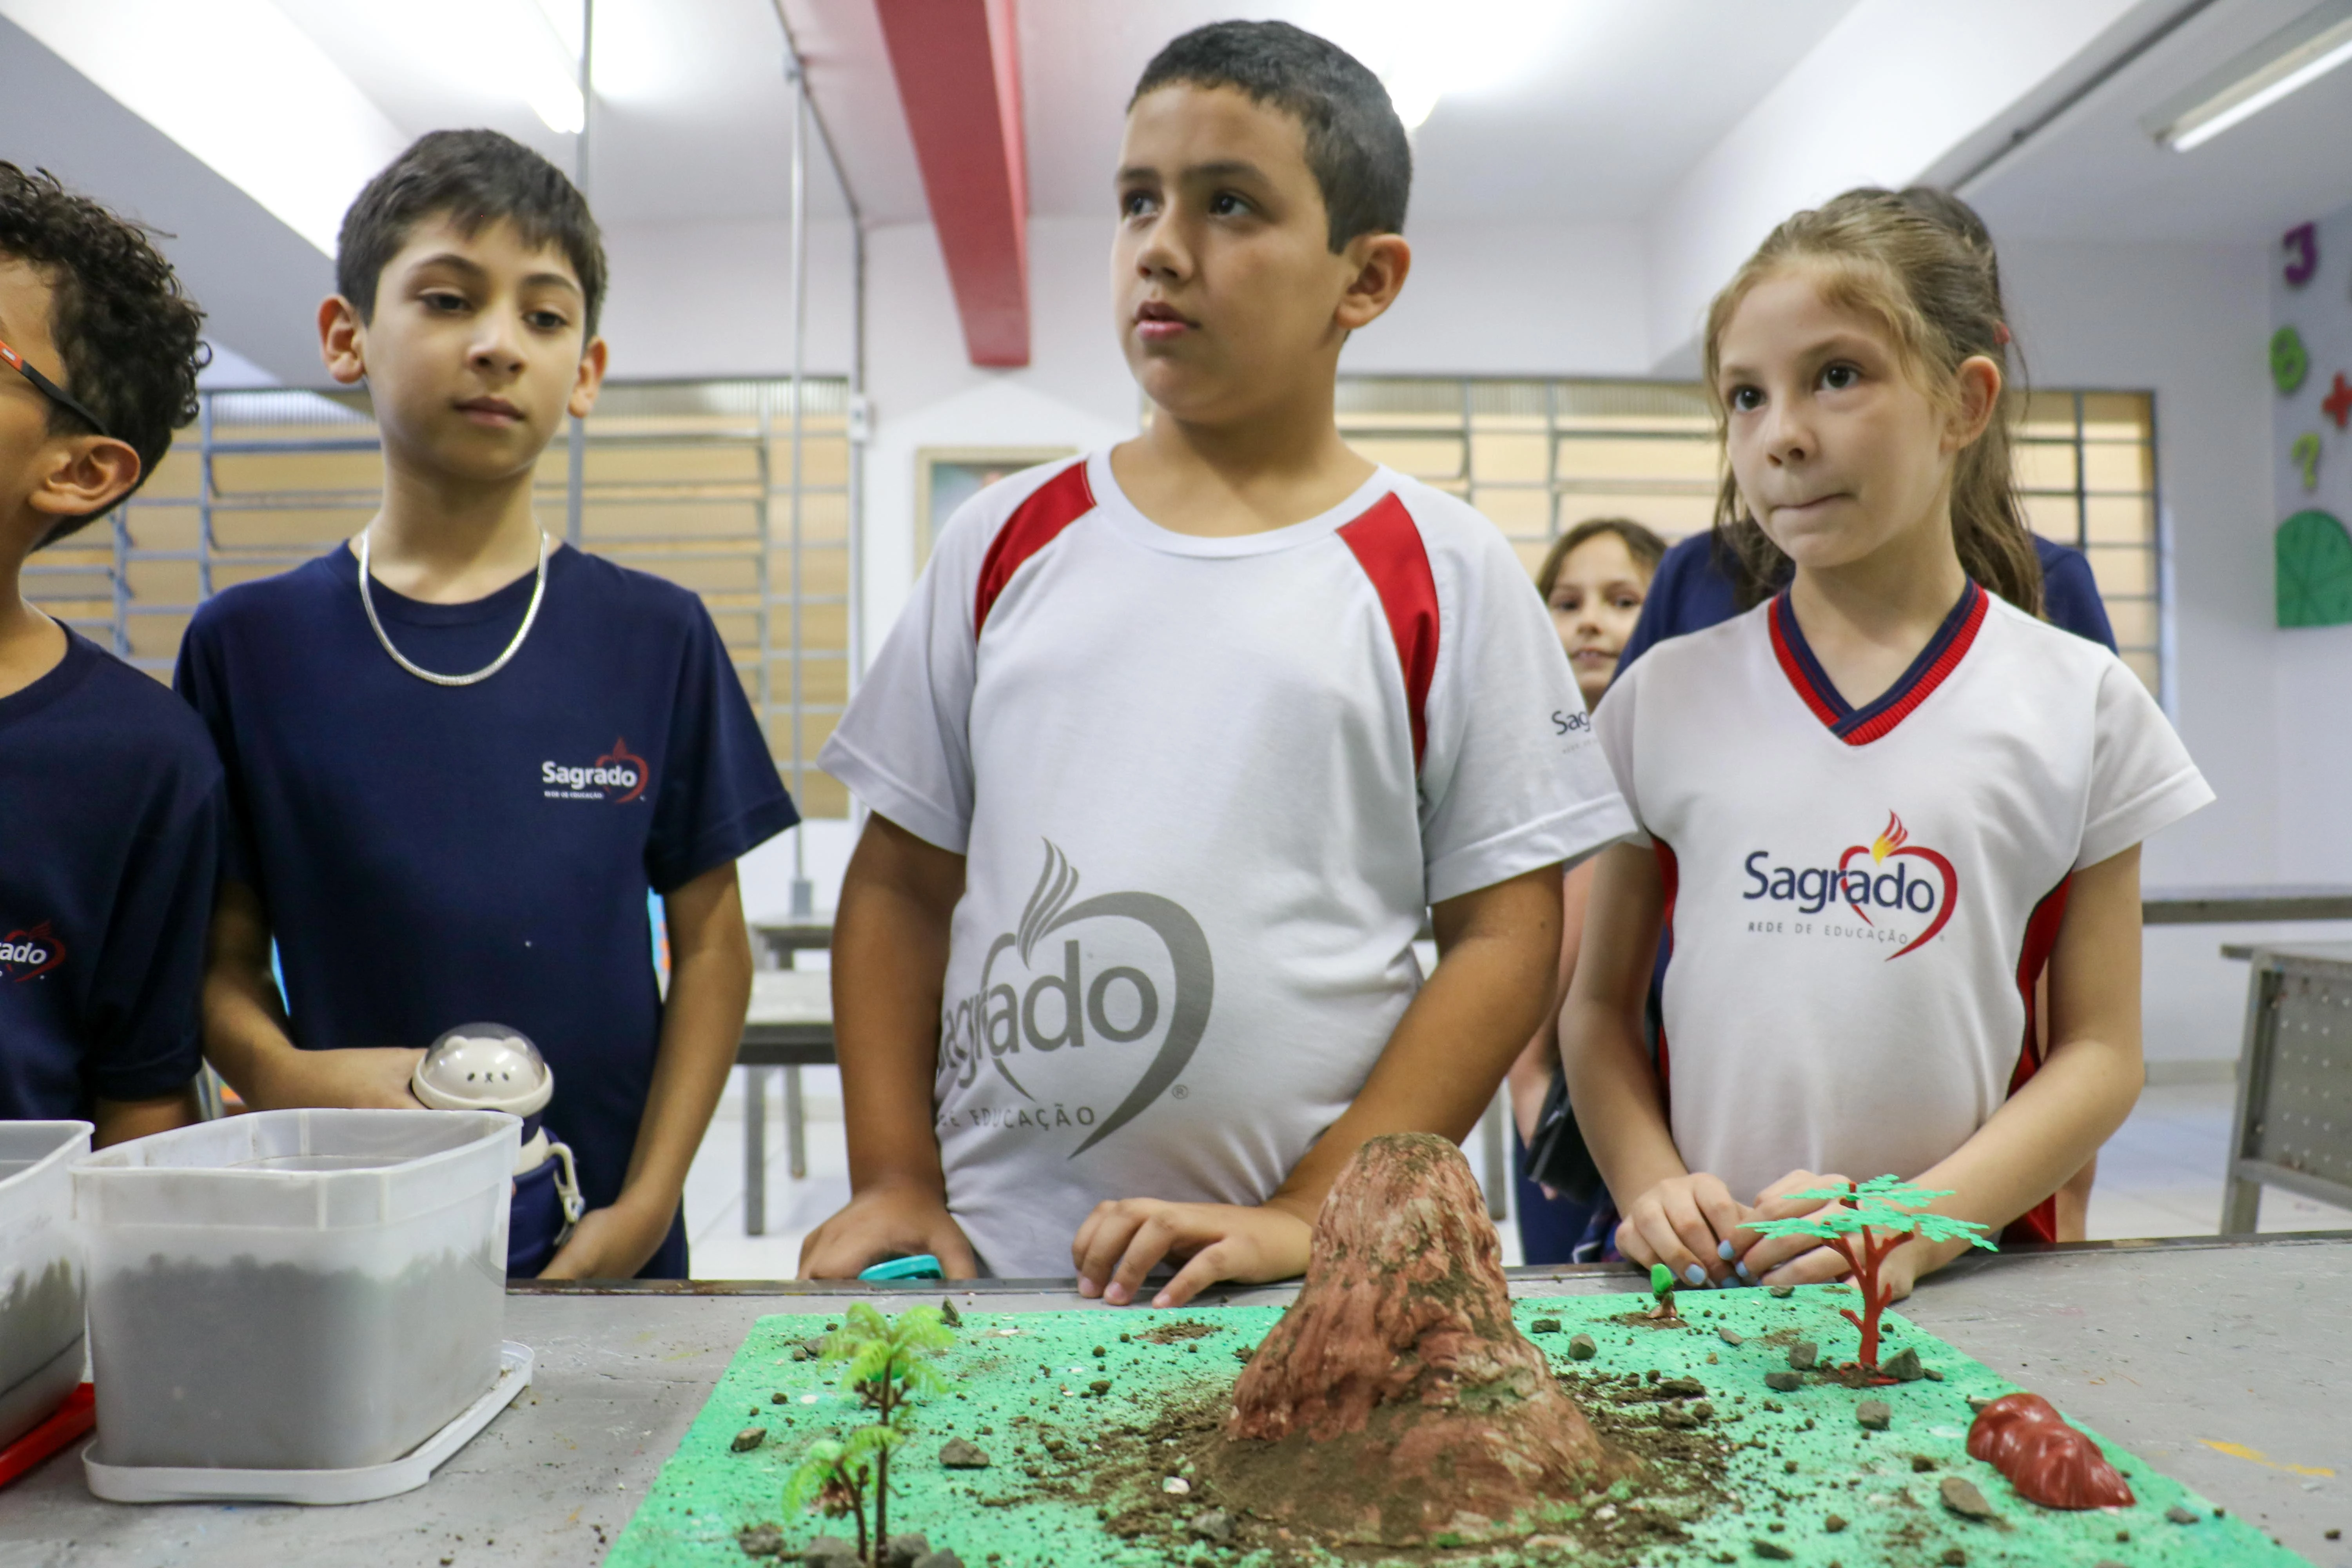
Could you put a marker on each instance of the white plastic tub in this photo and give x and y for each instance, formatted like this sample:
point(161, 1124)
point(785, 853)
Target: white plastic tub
point(295, 1290)
point(40, 1271)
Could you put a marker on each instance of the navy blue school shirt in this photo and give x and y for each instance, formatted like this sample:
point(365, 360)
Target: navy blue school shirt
point(433, 855)
point(1689, 592)
point(112, 813)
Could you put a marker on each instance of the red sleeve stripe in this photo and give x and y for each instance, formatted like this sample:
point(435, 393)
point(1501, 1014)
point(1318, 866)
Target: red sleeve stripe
point(1035, 523)
point(1670, 881)
point(1386, 544)
point(2039, 1223)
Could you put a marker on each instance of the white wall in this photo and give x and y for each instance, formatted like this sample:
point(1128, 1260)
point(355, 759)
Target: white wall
point(715, 299)
point(1513, 299)
point(2188, 322)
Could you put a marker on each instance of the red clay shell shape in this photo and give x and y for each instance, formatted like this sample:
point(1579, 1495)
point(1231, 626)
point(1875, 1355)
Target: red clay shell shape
point(2048, 1461)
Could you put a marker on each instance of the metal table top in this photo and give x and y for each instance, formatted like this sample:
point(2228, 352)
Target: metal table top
point(2225, 1362)
point(791, 1019)
point(2230, 906)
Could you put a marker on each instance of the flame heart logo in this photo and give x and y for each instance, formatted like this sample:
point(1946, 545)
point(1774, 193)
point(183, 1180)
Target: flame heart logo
point(29, 955)
point(620, 756)
point(1893, 842)
point(1054, 906)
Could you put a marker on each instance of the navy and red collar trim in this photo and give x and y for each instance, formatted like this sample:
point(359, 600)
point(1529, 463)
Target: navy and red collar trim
point(1860, 726)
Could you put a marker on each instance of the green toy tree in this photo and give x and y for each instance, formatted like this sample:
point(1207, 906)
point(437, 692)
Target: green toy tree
point(1865, 1224)
point(1662, 1286)
point(887, 1363)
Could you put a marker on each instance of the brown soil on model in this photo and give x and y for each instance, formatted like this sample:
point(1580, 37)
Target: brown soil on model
point(1395, 1402)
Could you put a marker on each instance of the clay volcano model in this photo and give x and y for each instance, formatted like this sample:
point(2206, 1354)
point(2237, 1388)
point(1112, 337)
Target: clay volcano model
point(1395, 1402)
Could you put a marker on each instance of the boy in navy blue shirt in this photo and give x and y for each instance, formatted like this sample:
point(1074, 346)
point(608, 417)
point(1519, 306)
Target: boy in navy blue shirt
point(110, 792)
point(459, 754)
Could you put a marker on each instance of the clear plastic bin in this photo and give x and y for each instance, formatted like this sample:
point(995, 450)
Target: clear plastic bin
point(295, 1290)
point(40, 1271)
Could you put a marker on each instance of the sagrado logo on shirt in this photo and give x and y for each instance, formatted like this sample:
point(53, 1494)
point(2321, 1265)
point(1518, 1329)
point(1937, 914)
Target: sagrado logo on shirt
point(29, 955)
point(1893, 891)
point(1059, 1003)
point(620, 775)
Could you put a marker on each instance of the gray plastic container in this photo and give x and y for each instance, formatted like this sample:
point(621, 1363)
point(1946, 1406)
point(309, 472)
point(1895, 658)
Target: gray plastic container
point(295, 1290)
point(41, 1276)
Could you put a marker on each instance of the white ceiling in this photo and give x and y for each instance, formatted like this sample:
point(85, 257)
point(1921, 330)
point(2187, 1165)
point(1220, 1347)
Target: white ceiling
point(693, 110)
point(1588, 109)
point(2094, 174)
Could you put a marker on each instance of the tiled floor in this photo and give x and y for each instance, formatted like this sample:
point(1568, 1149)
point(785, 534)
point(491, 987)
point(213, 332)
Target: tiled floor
point(2161, 1176)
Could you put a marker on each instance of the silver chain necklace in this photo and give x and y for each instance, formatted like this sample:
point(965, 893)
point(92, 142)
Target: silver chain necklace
point(538, 591)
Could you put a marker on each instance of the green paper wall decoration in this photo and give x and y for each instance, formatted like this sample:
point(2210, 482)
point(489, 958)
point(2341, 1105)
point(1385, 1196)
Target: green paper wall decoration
point(2290, 362)
point(2315, 571)
point(2305, 454)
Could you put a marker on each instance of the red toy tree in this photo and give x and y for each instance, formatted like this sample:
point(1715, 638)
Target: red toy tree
point(1863, 1223)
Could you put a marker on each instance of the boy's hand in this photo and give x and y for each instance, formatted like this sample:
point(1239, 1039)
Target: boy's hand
point(1686, 1224)
point(611, 1243)
point(888, 1219)
point(1122, 1242)
point(1789, 1259)
point(356, 1079)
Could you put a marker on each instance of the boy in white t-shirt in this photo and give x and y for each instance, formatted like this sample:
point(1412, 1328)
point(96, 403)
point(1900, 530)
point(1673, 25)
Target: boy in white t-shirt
point(1176, 742)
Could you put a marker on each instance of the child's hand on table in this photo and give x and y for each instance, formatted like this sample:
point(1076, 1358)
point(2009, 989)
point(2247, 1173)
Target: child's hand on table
point(1122, 1242)
point(1686, 1224)
point(1790, 1260)
point(612, 1243)
point(888, 1219)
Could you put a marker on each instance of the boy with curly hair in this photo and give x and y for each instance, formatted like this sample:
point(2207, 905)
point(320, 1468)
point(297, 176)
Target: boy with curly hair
point(110, 788)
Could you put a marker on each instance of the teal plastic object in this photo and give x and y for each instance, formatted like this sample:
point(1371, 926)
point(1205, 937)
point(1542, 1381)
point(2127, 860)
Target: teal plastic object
point(922, 1266)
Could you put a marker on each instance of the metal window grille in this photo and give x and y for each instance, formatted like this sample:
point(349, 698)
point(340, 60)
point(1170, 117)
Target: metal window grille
point(1539, 457)
point(688, 481)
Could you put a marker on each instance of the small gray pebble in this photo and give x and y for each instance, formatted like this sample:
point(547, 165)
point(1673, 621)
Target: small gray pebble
point(2180, 1515)
point(1212, 1524)
point(902, 1549)
point(760, 1540)
point(1963, 1497)
point(940, 1559)
point(1874, 1413)
point(956, 1454)
point(749, 1438)
point(1783, 1382)
point(813, 1344)
point(830, 1551)
point(1544, 1326)
point(1804, 1356)
point(1728, 1335)
point(1782, 1292)
point(948, 1315)
point(1581, 1348)
point(1904, 1367)
point(1772, 1550)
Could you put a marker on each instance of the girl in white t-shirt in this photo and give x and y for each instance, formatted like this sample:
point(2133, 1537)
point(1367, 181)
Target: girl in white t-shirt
point(1875, 807)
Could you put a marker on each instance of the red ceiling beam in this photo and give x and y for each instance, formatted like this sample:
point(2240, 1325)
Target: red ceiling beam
point(959, 76)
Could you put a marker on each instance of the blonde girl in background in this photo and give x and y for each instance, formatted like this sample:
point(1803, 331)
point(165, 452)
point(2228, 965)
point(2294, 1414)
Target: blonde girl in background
point(1874, 807)
point(1594, 579)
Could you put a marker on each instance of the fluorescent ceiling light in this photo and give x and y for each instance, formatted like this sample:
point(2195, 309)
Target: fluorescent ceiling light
point(2293, 58)
point(1423, 52)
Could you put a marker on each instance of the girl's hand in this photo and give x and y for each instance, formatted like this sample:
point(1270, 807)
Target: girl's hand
point(1686, 1224)
point(1122, 1242)
point(1788, 1260)
point(888, 1219)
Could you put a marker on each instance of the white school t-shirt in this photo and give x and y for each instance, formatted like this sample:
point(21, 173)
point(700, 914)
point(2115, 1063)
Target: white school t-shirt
point(1859, 900)
point(1182, 772)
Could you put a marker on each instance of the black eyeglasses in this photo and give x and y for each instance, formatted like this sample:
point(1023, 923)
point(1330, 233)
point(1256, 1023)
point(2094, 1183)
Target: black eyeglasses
point(52, 391)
